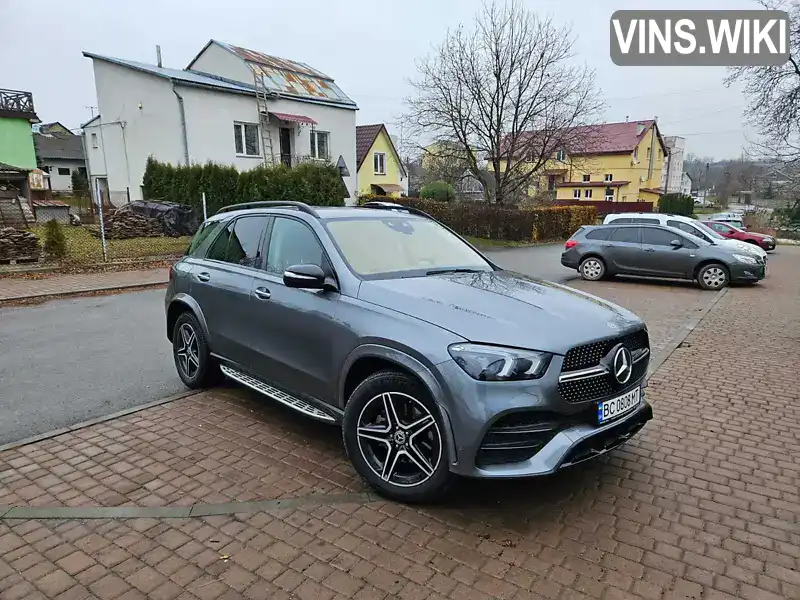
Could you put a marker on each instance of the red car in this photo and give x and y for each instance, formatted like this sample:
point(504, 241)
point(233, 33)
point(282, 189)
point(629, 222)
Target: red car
point(767, 242)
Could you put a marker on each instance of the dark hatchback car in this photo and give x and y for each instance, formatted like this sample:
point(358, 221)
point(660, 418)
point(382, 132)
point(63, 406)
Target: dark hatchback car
point(434, 361)
point(658, 251)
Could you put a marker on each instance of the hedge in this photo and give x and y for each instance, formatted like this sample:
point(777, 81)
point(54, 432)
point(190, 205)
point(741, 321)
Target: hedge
point(495, 222)
point(318, 184)
point(676, 204)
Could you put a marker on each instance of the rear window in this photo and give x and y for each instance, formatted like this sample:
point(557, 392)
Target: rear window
point(621, 221)
point(645, 221)
point(599, 234)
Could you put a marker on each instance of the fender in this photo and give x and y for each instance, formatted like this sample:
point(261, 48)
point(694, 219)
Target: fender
point(412, 364)
point(192, 305)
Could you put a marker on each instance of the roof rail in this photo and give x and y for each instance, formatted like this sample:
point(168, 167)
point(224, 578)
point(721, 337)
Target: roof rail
point(301, 206)
point(397, 206)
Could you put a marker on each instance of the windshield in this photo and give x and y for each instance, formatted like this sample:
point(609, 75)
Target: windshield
point(708, 231)
point(395, 244)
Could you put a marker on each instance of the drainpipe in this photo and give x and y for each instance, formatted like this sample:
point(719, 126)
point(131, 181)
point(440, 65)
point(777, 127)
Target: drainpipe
point(652, 152)
point(184, 135)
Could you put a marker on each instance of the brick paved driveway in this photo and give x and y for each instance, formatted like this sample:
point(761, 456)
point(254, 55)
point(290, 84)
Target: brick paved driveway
point(703, 503)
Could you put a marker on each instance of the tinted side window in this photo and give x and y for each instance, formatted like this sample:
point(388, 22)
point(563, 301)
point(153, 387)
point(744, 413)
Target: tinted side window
point(626, 234)
point(220, 245)
point(645, 221)
point(720, 228)
point(293, 243)
point(244, 243)
point(689, 244)
point(657, 237)
point(620, 221)
point(206, 233)
point(598, 234)
point(691, 230)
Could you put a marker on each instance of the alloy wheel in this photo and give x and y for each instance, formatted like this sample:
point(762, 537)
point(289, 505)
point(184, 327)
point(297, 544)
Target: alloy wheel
point(399, 439)
point(592, 269)
point(188, 352)
point(714, 277)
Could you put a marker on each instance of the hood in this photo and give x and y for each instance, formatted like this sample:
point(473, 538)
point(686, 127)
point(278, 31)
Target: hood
point(504, 308)
point(741, 246)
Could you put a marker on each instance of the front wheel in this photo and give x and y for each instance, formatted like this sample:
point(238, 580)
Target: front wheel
point(394, 436)
point(592, 268)
point(713, 277)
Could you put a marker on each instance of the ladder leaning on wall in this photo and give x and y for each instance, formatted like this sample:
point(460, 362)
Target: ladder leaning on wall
point(262, 95)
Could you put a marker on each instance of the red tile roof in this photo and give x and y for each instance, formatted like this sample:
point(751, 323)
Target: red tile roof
point(365, 137)
point(605, 138)
point(290, 118)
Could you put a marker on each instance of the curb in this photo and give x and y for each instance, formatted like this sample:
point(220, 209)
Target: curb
point(110, 288)
point(687, 328)
point(83, 424)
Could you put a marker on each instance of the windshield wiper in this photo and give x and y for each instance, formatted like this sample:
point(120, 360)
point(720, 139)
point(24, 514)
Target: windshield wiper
point(440, 271)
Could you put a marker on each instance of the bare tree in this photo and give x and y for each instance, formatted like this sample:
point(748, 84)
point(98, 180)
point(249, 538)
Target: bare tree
point(774, 104)
point(507, 91)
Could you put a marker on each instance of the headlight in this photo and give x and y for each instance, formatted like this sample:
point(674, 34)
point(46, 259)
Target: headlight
point(745, 259)
point(495, 363)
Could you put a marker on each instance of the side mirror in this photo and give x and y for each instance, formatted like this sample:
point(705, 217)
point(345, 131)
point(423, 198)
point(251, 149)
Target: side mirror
point(676, 244)
point(308, 277)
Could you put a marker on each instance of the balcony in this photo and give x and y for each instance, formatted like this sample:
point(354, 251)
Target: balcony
point(17, 105)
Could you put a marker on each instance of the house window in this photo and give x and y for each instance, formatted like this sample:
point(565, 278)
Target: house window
point(636, 153)
point(609, 194)
point(609, 177)
point(587, 193)
point(587, 177)
point(560, 155)
point(46, 169)
point(576, 194)
point(624, 198)
point(379, 163)
point(94, 140)
point(63, 170)
point(245, 136)
point(319, 145)
point(648, 153)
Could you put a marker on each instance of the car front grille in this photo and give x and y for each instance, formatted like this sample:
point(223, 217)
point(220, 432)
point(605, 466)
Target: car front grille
point(601, 385)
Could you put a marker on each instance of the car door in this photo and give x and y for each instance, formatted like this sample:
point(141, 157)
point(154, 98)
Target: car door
point(622, 250)
point(292, 331)
point(222, 283)
point(661, 258)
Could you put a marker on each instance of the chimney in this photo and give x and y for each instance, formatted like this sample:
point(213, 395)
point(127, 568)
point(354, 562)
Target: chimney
point(158, 55)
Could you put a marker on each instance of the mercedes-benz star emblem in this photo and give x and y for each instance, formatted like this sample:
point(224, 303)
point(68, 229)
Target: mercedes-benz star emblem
point(623, 365)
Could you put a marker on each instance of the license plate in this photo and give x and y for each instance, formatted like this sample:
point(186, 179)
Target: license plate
point(616, 407)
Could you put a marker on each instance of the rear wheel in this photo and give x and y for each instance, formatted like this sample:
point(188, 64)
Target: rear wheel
point(592, 268)
point(193, 361)
point(713, 276)
point(394, 436)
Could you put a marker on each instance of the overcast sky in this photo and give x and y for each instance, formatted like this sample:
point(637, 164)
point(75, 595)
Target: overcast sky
point(367, 46)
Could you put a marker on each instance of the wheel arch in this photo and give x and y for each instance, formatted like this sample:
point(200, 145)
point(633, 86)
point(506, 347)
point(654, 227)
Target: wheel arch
point(180, 304)
point(371, 358)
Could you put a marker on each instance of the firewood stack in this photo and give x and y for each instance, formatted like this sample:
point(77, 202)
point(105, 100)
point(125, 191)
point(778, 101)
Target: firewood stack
point(124, 225)
point(18, 244)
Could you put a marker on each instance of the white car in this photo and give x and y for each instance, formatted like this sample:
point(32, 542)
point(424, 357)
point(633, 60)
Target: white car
point(687, 224)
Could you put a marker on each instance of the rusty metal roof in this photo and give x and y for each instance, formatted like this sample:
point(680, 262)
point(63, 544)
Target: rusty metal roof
point(289, 77)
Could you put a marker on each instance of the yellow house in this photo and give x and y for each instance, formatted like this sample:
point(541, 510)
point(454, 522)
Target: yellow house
point(380, 170)
point(612, 162)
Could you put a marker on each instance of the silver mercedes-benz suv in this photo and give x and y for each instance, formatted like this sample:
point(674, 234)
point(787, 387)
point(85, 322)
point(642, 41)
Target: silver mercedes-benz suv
point(434, 361)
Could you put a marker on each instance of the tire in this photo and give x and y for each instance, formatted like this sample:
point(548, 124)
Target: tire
point(420, 469)
point(713, 276)
point(197, 369)
point(592, 268)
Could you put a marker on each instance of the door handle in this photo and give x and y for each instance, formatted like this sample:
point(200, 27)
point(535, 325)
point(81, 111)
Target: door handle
point(203, 276)
point(649, 249)
point(262, 293)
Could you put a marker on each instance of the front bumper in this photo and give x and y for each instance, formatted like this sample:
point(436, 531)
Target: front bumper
point(767, 246)
point(744, 273)
point(569, 433)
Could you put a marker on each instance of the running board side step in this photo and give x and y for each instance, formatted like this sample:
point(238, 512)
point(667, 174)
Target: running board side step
point(259, 386)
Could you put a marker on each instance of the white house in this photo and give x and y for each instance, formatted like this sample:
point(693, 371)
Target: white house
point(672, 173)
point(230, 105)
point(60, 152)
point(686, 184)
